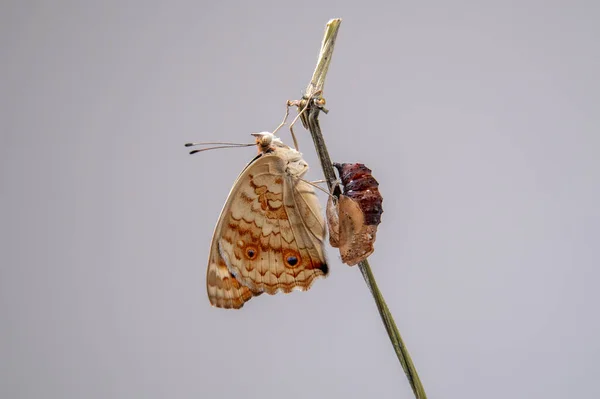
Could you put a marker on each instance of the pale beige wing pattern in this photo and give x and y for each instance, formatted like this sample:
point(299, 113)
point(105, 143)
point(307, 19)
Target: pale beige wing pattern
point(271, 237)
point(224, 291)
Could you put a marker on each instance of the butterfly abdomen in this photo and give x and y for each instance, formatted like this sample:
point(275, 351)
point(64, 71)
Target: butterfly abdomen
point(360, 185)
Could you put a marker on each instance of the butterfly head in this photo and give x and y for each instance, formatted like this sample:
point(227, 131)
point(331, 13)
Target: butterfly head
point(267, 142)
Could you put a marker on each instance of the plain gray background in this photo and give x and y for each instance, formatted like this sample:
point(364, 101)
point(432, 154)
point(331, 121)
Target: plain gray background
point(479, 119)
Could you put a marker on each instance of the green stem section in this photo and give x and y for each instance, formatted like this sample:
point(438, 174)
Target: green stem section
point(393, 332)
point(310, 119)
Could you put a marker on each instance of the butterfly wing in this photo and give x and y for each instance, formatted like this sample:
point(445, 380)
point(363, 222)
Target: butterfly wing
point(224, 291)
point(271, 231)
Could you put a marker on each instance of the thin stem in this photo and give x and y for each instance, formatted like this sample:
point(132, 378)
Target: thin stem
point(310, 120)
point(315, 131)
point(393, 332)
point(318, 79)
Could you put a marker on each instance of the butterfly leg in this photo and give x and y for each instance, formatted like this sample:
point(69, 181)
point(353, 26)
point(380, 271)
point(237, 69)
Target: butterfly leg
point(287, 113)
point(297, 103)
point(315, 184)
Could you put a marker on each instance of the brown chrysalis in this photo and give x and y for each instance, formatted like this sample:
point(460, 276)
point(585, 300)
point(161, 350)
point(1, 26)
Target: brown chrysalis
point(354, 217)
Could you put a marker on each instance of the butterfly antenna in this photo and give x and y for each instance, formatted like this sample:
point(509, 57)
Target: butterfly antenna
point(219, 145)
point(215, 142)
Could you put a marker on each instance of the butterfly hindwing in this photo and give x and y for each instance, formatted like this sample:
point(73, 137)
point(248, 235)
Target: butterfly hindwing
point(224, 291)
point(271, 239)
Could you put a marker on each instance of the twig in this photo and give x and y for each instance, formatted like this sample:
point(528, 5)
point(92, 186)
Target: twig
point(314, 101)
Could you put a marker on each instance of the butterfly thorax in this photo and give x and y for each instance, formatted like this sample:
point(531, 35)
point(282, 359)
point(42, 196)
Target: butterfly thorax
point(270, 145)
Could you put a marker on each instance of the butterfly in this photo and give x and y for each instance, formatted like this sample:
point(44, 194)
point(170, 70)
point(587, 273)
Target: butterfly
point(269, 236)
point(354, 217)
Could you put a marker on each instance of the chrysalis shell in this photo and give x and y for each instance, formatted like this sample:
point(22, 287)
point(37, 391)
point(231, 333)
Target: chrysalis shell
point(354, 217)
